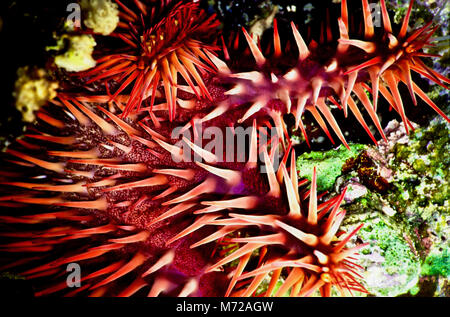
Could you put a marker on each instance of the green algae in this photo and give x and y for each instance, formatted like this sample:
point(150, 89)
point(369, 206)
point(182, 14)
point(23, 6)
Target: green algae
point(328, 163)
point(422, 173)
point(391, 267)
point(437, 264)
point(437, 260)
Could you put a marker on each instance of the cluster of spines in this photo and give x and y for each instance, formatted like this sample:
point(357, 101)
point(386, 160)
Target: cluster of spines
point(157, 54)
point(80, 191)
point(89, 172)
point(385, 61)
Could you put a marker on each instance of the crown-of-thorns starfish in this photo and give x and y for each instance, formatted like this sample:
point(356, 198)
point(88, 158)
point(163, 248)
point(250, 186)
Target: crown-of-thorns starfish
point(95, 179)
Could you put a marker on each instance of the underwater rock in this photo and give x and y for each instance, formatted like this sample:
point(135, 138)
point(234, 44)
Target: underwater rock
point(391, 266)
point(408, 225)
